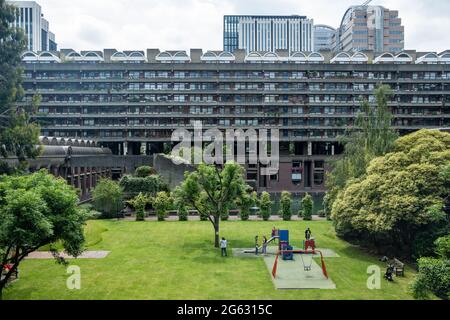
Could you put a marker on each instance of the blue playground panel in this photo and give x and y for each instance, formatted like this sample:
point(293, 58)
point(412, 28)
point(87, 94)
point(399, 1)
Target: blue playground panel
point(284, 236)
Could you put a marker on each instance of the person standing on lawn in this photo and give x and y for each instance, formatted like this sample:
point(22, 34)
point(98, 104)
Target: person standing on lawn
point(223, 247)
point(264, 245)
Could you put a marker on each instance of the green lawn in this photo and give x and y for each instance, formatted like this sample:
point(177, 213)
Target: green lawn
point(176, 260)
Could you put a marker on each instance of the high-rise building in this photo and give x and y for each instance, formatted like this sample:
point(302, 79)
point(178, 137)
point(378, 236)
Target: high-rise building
point(30, 18)
point(323, 37)
point(268, 33)
point(370, 28)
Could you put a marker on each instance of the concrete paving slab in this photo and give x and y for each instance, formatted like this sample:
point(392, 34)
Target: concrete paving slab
point(84, 255)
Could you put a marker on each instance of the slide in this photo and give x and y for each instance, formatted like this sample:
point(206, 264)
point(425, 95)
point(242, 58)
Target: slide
point(260, 248)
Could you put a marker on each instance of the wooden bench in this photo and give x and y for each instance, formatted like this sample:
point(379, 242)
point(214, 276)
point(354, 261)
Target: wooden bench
point(399, 267)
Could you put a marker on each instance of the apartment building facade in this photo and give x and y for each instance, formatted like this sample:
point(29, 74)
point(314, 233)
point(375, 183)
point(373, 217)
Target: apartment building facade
point(132, 101)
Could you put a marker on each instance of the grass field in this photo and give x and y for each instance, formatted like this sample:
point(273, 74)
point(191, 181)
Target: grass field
point(176, 260)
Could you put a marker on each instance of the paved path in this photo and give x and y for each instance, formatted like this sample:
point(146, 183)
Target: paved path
point(84, 255)
point(231, 218)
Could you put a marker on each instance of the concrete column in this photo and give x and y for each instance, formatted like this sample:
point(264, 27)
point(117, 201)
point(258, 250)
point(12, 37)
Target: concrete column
point(125, 148)
point(83, 182)
point(143, 148)
point(309, 148)
point(332, 150)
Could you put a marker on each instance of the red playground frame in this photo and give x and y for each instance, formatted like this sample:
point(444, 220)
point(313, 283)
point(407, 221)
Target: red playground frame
point(314, 251)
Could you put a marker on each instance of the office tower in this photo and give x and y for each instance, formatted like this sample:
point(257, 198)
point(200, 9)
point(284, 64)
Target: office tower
point(268, 33)
point(323, 37)
point(36, 28)
point(372, 28)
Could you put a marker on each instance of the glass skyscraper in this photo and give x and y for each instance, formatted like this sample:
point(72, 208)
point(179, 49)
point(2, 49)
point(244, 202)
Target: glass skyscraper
point(268, 33)
point(29, 17)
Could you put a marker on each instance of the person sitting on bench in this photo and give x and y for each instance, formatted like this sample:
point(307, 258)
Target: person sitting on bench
point(389, 273)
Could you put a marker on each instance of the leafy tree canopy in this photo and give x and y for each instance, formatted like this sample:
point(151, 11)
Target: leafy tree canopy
point(210, 190)
point(37, 210)
point(401, 195)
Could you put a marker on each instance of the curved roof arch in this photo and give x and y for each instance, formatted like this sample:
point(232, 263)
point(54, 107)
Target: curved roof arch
point(136, 54)
point(30, 56)
point(384, 57)
point(226, 54)
point(270, 55)
point(48, 57)
point(119, 54)
point(209, 56)
point(429, 58)
point(253, 57)
point(341, 57)
point(444, 58)
point(298, 57)
point(360, 57)
point(163, 56)
point(73, 54)
point(91, 55)
point(403, 57)
point(315, 57)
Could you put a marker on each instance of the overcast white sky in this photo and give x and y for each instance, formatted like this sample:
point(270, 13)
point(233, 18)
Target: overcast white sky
point(185, 24)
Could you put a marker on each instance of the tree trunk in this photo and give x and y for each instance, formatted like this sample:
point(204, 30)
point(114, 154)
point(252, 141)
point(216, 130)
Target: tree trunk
point(216, 231)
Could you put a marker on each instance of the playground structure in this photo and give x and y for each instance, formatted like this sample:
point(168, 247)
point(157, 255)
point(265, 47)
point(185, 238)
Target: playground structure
point(287, 271)
point(287, 253)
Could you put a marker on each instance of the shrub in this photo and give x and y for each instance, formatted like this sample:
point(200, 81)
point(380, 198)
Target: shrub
point(144, 171)
point(149, 185)
point(307, 207)
point(245, 203)
point(443, 247)
point(162, 203)
point(266, 206)
point(107, 198)
point(139, 203)
point(183, 213)
point(433, 277)
point(285, 206)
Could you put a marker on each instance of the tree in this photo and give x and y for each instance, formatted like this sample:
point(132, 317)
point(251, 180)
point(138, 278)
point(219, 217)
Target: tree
point(400, 200)
point(18, 135)
point(107, 198)
point(371, 137)
point(266, 206)
point(37, 210)
point(144, 171)
point(307, 207)
point(210, 190)
point(161, 203)
point(139, 203)
point(285, 205)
